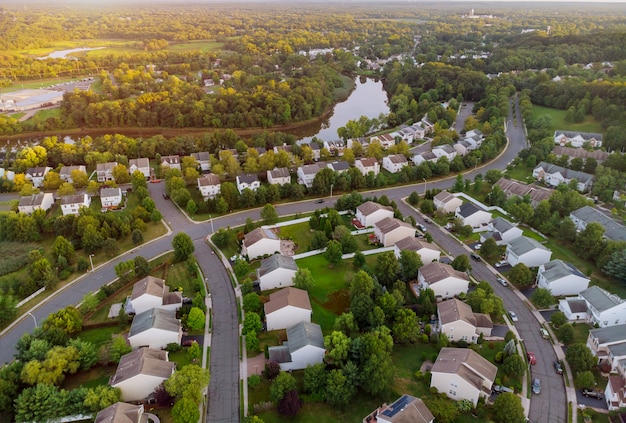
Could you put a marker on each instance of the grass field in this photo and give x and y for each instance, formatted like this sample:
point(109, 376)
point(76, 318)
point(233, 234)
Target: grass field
point(559, 123)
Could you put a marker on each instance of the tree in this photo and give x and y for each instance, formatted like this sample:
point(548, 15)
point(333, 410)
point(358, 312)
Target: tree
point(142, 267)
point(290, 404)
point(405, 327)
point(333, 252)
point(521, 275)
point(358, 260)
point(118, 348)
point(427, 207)
point(315, 379)
point(409, 262)
point(567, 230)
point(66, 189)
point(283, 383)
point(338, 346)
point(125, 270)
point(508, 408)
point(443, 409)
point(489, 249)
point(241, 268)
point(101, 397)
point(67, 319)
point(63, 248)
point(414, 198)
point(565, 333)
point(251, 302)
point(585, 380)
point(387, 268)
point(558, 318)
point(110, 247)
point(339, 390)
point(185, 411)
point(196, 319)
point(188, 382)
point(252, 323)
point(589, 242)
point(120, 174)
point(87, 354)
point(461, 263)
point(514, 366)
point(183, 246)
point(303, 279)
point(542, 298)
point(42, 274)
point(269, 214)
point(616, 266)
point(580, 358)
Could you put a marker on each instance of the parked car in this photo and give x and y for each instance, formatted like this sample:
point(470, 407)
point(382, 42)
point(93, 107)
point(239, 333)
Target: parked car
point(501, 263)
point(531, 358)
point(557, 367)
point(536, 386)
point(475, 256)
point(593, 394)
point(502, 282)
point(544, 333)
point(512, 315)
point(421, 227)
point(165, 195)
point(426, 220)
point(321, 200)
point(500, 389)
point(477, 246)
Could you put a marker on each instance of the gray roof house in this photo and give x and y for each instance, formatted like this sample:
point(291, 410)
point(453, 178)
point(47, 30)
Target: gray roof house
point(605, 309)
point(612, 230)
point(304, 347)
point(528, 251)
point(155, 328)
point(276, 271)
point(502, 231)
point(470, 214)
point(561, 278)
point(339, 166)
point(554, 176)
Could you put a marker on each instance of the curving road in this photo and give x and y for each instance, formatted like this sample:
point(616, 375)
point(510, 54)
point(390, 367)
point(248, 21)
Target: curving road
point(224, 402)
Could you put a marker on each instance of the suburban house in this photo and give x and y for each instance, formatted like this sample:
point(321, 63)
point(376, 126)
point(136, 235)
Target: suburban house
point(470, 214)
point(335, 147)
point(474, 135)
point(578, 139)
point(287, 307)
point(142, 164)
point(461, 373)
point(111, 197)
point(605, 309)
point(370, 212)
point(278, 176)
point(249, 181)
point(580, 153)
point(385, 140)
point(502, 231)
point(71, 204)
point(339, 166)
point(445, 281)
point(406, 409)
point(276, 271)
point(513, 188)
point(394, 163)
point(444, 150)
point(104, 171)
point(260, 242)
point(390, 230)
point(602, 340)
point(463, 148)
point(528, 251)
point(459, 323)
point(574, 308)
point(121, 412)
point(554, 176)
point(615, 392)
point(317, 150)
point(407, 133)
point(66, 172)
point(306, 173)
point(585, 215)
point(426, 156)
point(151, 292)
point(561, 278)
point(446, 202)
point(173, 162)
point(428, 252)
point(204, 160)
point(209, 185)
point(367, 165)
point(140, 372)
point(304, 347)
point(36, 175)
point(41, 201)
point(155, 328)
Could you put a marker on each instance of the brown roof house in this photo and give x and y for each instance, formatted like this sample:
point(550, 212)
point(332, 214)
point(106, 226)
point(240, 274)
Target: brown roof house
point(260, 242)
point(446, 202)
point(209, 186)
point(140, 372)
point(370, 212)
point(367, 165)
point(120, 412)
point(151, 292)
point(287, 307)
point(459, 323)
point(428, 252)
point(442, 279)
point(461, 373)
point(155, 328)
point(391, 230)
point(406, 409)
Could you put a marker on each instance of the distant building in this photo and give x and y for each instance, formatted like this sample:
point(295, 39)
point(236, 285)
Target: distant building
point(585, 215)
point(173, 162)
point(286, 308)
point(459, 323)
point(390, 230)
point(72, 204)
point(554, 176)
point(209, 186)
point(110, 197)
point(471, 215)
point(528, 251)
point(304, 347)
point(41, 201)
point(368, 165)
point(104, 171)
point(278, 176)
point(249, 181)
point(561, 278)
point(394, 163)
point(446, 202)
point(142, 165)
point(66, 172)
point(276, 271)
point(370, 212)
point(577, 139)
point(445, 281)
point(37, 174)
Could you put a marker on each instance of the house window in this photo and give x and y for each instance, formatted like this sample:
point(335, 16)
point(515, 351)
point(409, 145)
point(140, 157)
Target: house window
point(606, 322)
point(454, 385)
point(453, 393)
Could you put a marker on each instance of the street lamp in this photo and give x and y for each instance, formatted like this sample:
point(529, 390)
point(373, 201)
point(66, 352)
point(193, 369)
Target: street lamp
point(211, 219)
point(91, 261)
point(424, 179)
point(331, 190)
point(33, 316)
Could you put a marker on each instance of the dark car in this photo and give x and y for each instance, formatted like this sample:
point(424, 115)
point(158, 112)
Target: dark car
point(165, 195)
point(475, 256)
point(321, 200)
point(593, 394)
point(557, 367)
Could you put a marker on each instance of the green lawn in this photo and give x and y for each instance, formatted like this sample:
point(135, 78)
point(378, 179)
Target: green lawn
point(299, 233)
point(520, 172)
point(99, 336)
point(559, 123)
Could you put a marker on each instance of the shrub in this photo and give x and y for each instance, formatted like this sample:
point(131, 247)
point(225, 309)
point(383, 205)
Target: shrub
point(173, 347)
point(254, 381)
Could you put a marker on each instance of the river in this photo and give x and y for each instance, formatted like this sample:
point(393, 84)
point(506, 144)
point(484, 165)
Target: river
point(61, 54)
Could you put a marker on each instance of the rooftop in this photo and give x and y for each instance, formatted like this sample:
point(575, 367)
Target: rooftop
point(600, 299)
point(144, 361)
point(210, 179)
point(434, 272)
point(389, 224)
point(154, 318)
point(370, 207)
point(276, 261)
point(522, 245)
point(304, 333)
point(258, 234)
point(609, 334)
point(247, 178)
point(465, 363)
point(612, 229)
point(289, 296)
point(558, 269)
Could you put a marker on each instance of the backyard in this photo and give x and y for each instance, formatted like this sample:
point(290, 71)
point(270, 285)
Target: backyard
point(589, 124)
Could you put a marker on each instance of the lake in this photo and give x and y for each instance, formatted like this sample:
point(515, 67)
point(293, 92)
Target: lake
point(61, 54)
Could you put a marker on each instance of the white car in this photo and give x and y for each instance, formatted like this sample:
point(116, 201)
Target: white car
point(501, 263)
point(513, 315)
point(501, 281)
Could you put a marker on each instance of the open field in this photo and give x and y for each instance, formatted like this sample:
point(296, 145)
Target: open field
point(559, 123)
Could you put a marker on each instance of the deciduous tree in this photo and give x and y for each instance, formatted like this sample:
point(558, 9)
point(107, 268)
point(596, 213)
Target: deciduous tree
point(183, 246)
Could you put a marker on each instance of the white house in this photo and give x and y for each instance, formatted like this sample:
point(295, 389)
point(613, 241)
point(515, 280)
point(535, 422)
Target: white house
point(605, 309)
point(209, 186)
point(111, 197)
point(528, 251)
point(260, 242)
point(612, 230)
point(121, 412)
point(204, 160)
point(72, 204)
point(317, 150)
point(446, 202)
point(459, 323)
point(151, 292)
point(426, 156)
point(367, 165)
point(370, 212)
point(66, 172)
point(141, 164)
point(445, 281)
point(173, 162)
point(615, 391)
point(305, 347)
point(554, 176)
point(41, 201)
point(339, 166)
point(104, 171)
point(406, 409)
point(445, 150)
point(471, 215)
point(287, 307)
point(306, 173)
point(140, 372)
point(577, 139)
point(155, 328)
point(428, 252)
point(608, 345)
point(461, 373)
point(390, 230)
point(276, 271)
point(394, 163)
point(36, 175)
point(335, 147)
point(249, 181)
point(278, 176)
point(502, 231)
point(574, 308)
point(561, 278)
